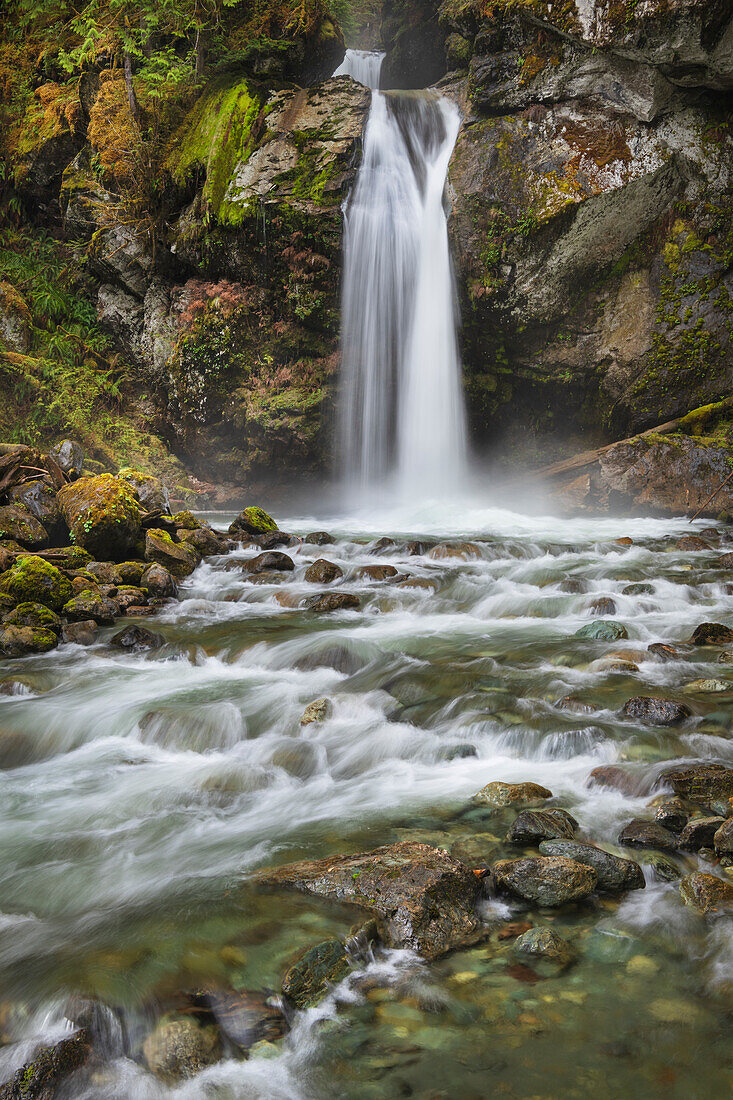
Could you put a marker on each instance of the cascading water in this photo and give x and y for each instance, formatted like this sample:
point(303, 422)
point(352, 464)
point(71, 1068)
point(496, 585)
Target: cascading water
point(401, 411)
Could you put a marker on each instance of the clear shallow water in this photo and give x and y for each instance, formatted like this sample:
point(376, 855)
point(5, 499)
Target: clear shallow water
point(139, 791)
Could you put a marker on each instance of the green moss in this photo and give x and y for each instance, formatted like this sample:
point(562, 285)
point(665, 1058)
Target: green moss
point(256, 521)
point(35, 615)
point(33, 580)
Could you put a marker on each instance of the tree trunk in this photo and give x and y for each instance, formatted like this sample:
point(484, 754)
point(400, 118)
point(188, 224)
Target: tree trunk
point(200, 52)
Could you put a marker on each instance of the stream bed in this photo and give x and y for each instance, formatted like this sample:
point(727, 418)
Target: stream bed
point(139, 791)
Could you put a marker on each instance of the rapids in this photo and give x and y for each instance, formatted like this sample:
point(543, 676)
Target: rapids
point(139, 791)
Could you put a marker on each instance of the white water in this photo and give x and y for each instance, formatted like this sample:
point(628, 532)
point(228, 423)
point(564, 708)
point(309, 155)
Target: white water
point(401, 413)
point(363, 66)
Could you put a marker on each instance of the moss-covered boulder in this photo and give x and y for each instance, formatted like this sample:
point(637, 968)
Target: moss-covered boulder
point(20, 525)
point(16, 321)
point(50, 137)
point(21, 641)
point(308, 981)
point(252, 521)
point(179, 558)
point(131, 571)
point(40, 1078)
point(34, 580)
point(36, 615)
point(91, 605)
point(41, 500)
point(103, 514)
point(151, 491)
point(66, 557)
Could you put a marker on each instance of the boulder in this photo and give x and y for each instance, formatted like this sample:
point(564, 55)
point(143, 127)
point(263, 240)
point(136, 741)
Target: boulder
point(308, 981)
point(465, 551)
point(712, 634)
point(41, 500)
point(42, 1077)
point(692, 542)
point(323, 572)
point(34, 580)
point(723, 838)
point(647, 834)
point(151, 492)
point(532, 826)
point(672, 815)
point(604, 605)
point(619, 778)
point(204, 540)
point(91, 605)
point(499, 794)
point(638, 588)
point(708, 686)
point(545, 880)
point(272, 539)
point(700, 833)
point(104, 572)
point(333, 601)
point(663, 652)
point(128, 595)
point(159, 581)
point(319, 538)
point(131, 572)
point(180, 1048)
point(103, 515)
point(652, 710)
point(22, 641)
point(701, 783)
point(544, 947)
point(179, 558)
point(20, 525)
point(136, 638)
point(81, 633)
point(706, 893)
point(16, 320)
point(604, 630)
point(252, 521)
point(270, 560)
point(615, 875)
point(424, 898)
point(36, 615)
point(376, 572)
point(69, 456)
point(317, 711)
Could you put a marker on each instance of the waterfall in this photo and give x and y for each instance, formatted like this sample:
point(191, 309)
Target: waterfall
point(363, 66)
point(401, 410)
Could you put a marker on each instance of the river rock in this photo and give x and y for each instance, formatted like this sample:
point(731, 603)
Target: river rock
point(91, 605)
point(701, 783)
point(672, 815)
point(615, 874)
point(103, 515)
point(81, 633)
point(619, 778)
point(179, 1048)
point(604, 630)
point(245, 1017)
point(150, 490)
point(179, 558)
point(376, 572)
point(575, 706)
point(723, 838)
point(706, 893)
point(22, 641)
point(543, 946)
point(604, 605)
point(638, 588)
point(204, 541)
point(499, 794)
point(655, 711)
point(662, 868)
point(252, 521)
point(424, 898)
point(105, 572)
point(463, 550)
point(692, 542)
point(647, 834)
point(20, 525)
point(136, 638)
point(323, 572)
point(308, 981)
point(699, 833)
point(333, 601)
point(159, 581)
point(663, 652)
point(69, 456)
point(545, 880)
point(319, 538)
point(712, 634)
point(127, 596)
point(270, 560)
point(532, 826)
point(40, 499)
point(317, 711)
point(40, 1078)
point(36, 615)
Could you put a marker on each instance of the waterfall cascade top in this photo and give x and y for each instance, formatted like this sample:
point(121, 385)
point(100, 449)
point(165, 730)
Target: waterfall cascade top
point(363, 66)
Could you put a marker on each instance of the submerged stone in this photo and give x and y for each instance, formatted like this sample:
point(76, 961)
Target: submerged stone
point(179, 1048)
point(544, 946)
point(307, 982)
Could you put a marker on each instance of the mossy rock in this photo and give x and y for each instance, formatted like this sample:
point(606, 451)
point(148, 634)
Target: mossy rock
point(180, 559)
point(103, 514)
point(20, 525)
point(180, 1048)
point(307, 981)
point(33, 580)
point(21, 641)
point(91, 605)
point(150, 490)
point(604, 630)
point(41, 1078)
point(186, 520)
point(252, 521)
point(35, 615)
point(131, 571)
point(67, 557)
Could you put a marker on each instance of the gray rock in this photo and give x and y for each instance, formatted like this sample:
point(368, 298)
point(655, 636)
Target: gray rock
point(543, 946)
point(655, 711)
point(532, 826)
point(647, 834)
point(179, 1048)
point(323, 572)
point(545, 880)
point(615, 875)
point(81, 633)
point(604, 630)
point(699, 833)
point(499, 794)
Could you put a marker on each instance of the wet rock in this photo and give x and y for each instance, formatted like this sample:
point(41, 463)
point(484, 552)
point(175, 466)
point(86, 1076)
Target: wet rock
point(20, 525)
point(377, 572)
point(252, 521)
point(459, 752)
point(103, 515)
point(712, 634)
point(317, 711)
point(204, 541)
point(532, 826)
point(726, 657)
point(723, 837)
point(427, 583)
point(604, 605)
point(545, 880)
point(69, 455)
point(499, 794)
point(22, 641)
point(245, 1017)
point(664, 870)
point(151, 492)
point(672, 815)
point(655, 711)
point(573, 585)
point(81, 633)
point(308, 981)
point(136, 638)
point(128, 596)
point(381, 545)
point(663, 652)
point(423, 897)
point(40, 1078)
point(91, 605)
point(647, 834)
point(105, 572)
point(319, 538)
point(639, 588)
point(36, 615)
point(708, 687)
point(615, 874)
point(323, 572)
point(543, 946)
point(40, 499)
point(605, 630)
point(463, 550)
point(699, 833)
point(159, 581)
point(692, 542)
point(575, 706)
point(179, 1048)
point(706, 893)
point(333, 601)
point(619, 778)
point(701, 783)
point(179, 558)
point(130, 572)
point(416, 548)
point(275, 538)
point(298, 758)
point(270, 560)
